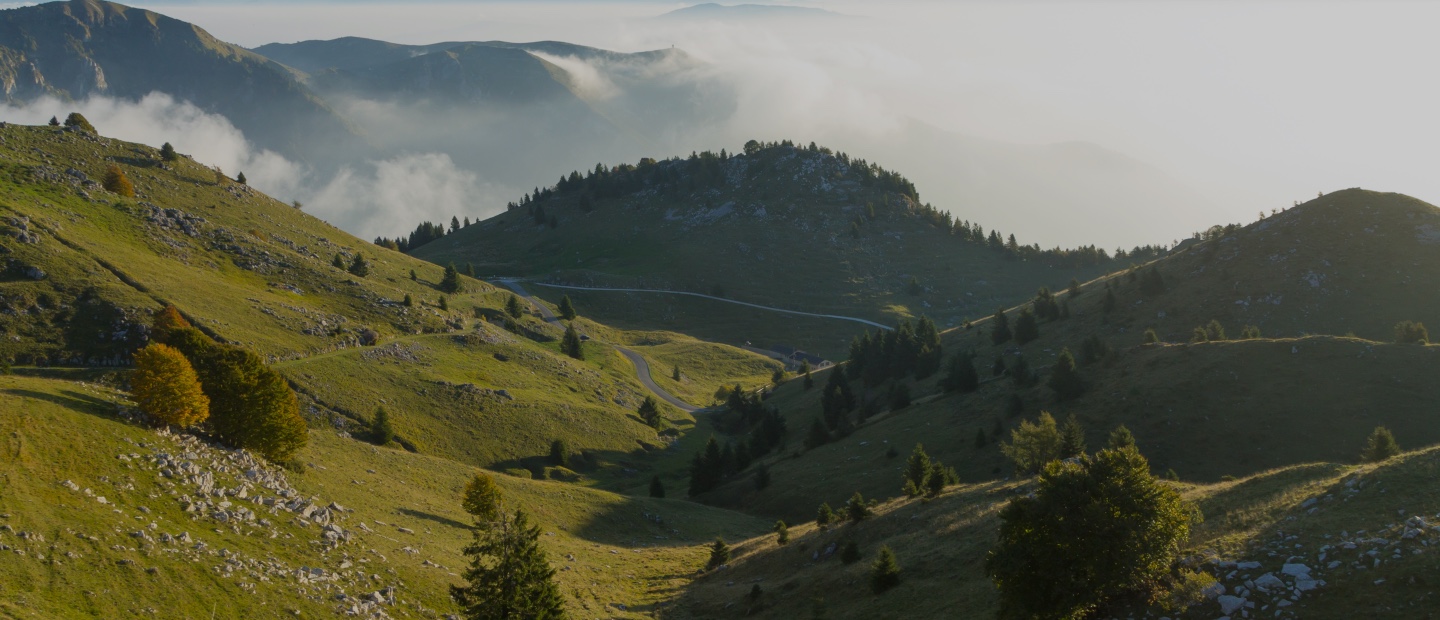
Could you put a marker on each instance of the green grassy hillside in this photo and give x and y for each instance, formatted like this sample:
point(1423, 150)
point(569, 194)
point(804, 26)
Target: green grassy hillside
point(139, 552)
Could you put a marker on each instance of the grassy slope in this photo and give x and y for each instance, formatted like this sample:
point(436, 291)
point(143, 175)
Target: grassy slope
point(776, 233)
point(237, 278)
point(59, 430)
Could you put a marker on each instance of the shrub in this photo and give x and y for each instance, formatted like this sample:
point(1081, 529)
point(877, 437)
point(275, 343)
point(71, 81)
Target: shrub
point(1409, 332)
point(1380, 446)
point(115, 181)
point(1092, 533)
point(166, 321)
point(482, 498)
point(78, 121)
point(443, 304)
point(885, 572)
point(1031, 446)
point(1151, 337)
point(167, 388)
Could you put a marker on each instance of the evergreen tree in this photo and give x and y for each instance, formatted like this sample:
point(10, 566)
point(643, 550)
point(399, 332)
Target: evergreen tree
point(359, 267)
point(559, 453)
point(849, 553)
point(1151, 283)
point(960, 375)
point(979, 438)
point(54, 122)
point(414, 277)
point(570, 343)
point(914, 287)
point(916, 468)
point(1000, 331)
point(1250, 332)
point(1020, 372)
point(819, 435)
point(116, 182)
point(675, 373)
point(450, 282)
point(380, 429)
point(809, 381)
point(409, 301)
point(166, 387)
point(443, 303)
point(482, 499)
point(1072, 438)
point(1410, 332)
point(1105, 523)
point(470, 267)
point(167, 152)
point(856, 509)
point(1093, 349)
point(885, 572)
point(1151, 337)
point(509, 577)
point(240, 178)
point(998, 368)
point(78, 121)
point(1074, 290)
point(1064, 379)
point(824, 516)
point(1027, 328)
point(1109, 303)
point(782, 533)
point(567, 309)
point(657, 488)
point(512, 307)
point(454, 223)
point(762, 477)
point(936, 479)
point(650, 412)
point(1380, 446)
point(899, 396)
point(1120, 438)
point(719, 554)
point(338, 262)
point(707, 469)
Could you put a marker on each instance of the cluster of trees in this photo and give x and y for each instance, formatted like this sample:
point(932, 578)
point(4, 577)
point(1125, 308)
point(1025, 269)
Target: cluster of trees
point(509, 576)
point(764, 431)
point(1009, 247)
point(1215, 332)
point(1033, 445)
point(909, 349)
point(926, 476)
point(1410, 332)
point(424, 233)
point(185, 379)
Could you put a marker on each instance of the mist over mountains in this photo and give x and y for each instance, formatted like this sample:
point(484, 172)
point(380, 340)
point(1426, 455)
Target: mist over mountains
point(490, 120)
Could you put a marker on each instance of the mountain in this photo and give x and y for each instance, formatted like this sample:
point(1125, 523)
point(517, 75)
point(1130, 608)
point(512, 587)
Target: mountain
point(796, 228)
point(712, 12)
point(83, 48)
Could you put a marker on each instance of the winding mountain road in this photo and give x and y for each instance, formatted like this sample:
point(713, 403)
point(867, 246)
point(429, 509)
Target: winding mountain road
point(642, 367)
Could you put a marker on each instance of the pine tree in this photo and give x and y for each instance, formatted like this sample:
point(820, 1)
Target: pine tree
point(166, 387)
point(1151, 337)
point(559, 453)
point(849, 553)
point(414, 277)
point(1072, 438)
point(936, 479)
point(650, 412)
point(824, 516)
point(809, 381)
point(885, 572)
point(782, 533)
point(509, 577)
point(856, 509)
point(359, 267)
point(380, 429)
point(338, 262)
point(450, 282)
point(54, 122)
point(409, 301)
point(916, 468)
point(1380, 446)
point(567, 309)
point(570, 343)
point(914, 287)
point(469, 267)
point(1109, 304)
point(512, 307)
point(1064, 379)
point(719, 554)
point(240, 178)
point(1000, 333)
point(1027, 327)
point(762, 477)
point(482, 499)
point(960, 375)
point(675, 373)
point(443, 303)
point(116, 182)
point(819, 435)
point(1120, 438)
point(167, 152)
point(657, 488)
point(78, 121)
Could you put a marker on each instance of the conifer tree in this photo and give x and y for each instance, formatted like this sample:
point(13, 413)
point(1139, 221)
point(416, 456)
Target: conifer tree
point(414, 277)
point(719, 554)
point(1072, 438)
point(979, 438)
point(1151, 337)
point(657, 488)
point(470, 267)
point(675, 372)
point(916, 468)
point(509, 577)
point(1000, 330)
point(570, 343)
point(885, 572)
point(559, 453)
point(650, 412)
point(1120, 438)
point(782, 533)
point(824, 516)
point(849, 553)
point(1410, 332)
point(166, 387)
point(1027, 328)
point(1109, 303)
point(1380, 446)
point(240, 178)
point(409, 301)
point(338, 262)
point(856, 509)
point(54, 122)
point(78, 121)
point(819, 435)
point(1064, 379)
point(482, 499)
point(936, 479)
point(359, 267)
point(380, 429)
point(450, 282)
point(960, 375)
point(443, 303)
point(512, 307)
point(167, 152)
point(762, 477)
point(116, 182)
point(567, 308)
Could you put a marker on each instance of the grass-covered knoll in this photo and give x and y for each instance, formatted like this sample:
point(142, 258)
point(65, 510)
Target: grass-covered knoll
point(401, 512)
point(1329, 517)
point(796, 228)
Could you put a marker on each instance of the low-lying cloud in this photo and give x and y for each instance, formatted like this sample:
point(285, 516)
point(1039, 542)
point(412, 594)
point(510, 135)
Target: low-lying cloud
point(378, 198)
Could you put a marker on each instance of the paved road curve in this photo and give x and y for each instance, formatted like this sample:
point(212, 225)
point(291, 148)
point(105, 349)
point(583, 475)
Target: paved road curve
point(642, 368)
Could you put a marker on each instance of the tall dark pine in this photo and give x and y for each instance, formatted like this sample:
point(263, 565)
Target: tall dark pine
point(960, 376)
point(509, 576)
point(567, 308)
point(359, 267)
point(1064, 379)
point(1027, 327)
point(450, 283)
point(1000, 331)
point(570, 344)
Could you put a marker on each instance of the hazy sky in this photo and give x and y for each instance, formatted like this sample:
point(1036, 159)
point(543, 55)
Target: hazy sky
point(1254, 104)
